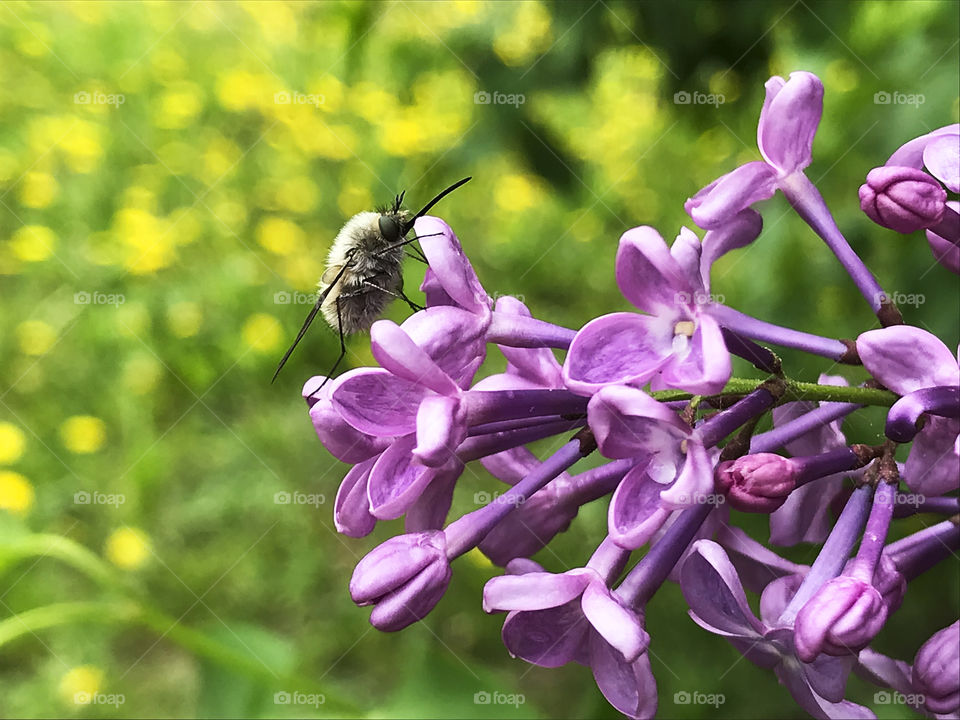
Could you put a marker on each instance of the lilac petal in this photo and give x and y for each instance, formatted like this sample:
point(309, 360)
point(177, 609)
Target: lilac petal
point(616, 624)
point(791, 674)
point(510, 466)
point(341, 439)
point(635, 513)
point(629, 686)
point(772, 86)
point(617, 348)
point(535, 591)
point(946, 250)
point(627, 422)
point(705, 367)
point(789, 121)
point(433, 291)
point(430, 510)
point(756, 565)
point(721, 201)
point(739, 232)
point(942, 158)
point(695, 482)
point(453, 338)
point(451, 267)
point(906, 358)
point(887, 672)
point(548, 638)
point(647, 274)
point(522, 566)
point(713, 591)
point(413, 601)
point(910, 154)
point(397, 352)
point(686, 250)
point(805, 516)
point(396, 481)
point(828, 675)
point(933, 466)
point(376, 402)
point(441, 427)
point(777, 595)
point(351, 509)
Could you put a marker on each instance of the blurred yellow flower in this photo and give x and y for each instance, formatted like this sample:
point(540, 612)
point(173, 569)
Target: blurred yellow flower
point(177, 107)
point(82, 146)
point(280, 236)
point(239, 90)
point(12, 441)
point(354, 199)
point(297, 194)
point(79, 685)
point(35, 337)
point(128, 548)
point(262, 333)
point(516, 193)
point(219, 158)
point(83, 434)
point(184, 319)
point(16, 492)
point(33, 243)
point(304, 269)
point(149, 244)
point(140, 373)
point(38, 190)
point(528, 34)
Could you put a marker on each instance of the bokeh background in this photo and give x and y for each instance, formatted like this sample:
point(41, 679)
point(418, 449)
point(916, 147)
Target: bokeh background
point(171, 177)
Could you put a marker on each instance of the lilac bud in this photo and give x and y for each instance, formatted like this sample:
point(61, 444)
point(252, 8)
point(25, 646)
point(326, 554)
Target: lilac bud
point(840, 619)
point(936, 671)
point(404, 578)
point(758, 483)
point(902, 198)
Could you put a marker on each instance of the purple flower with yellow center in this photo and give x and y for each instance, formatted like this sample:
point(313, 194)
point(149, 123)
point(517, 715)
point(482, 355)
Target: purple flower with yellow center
point(917, 365)
point(676, 343)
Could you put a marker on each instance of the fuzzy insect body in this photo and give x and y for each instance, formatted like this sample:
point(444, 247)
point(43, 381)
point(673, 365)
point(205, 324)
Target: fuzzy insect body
point(369, 268)
point(364, 271)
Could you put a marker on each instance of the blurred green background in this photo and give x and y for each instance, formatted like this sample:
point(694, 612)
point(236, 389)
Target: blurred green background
point(171, 175)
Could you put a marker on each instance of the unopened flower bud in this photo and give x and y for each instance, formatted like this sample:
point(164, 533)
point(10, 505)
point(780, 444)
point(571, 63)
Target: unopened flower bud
point(904, 199)
point(404, 578)
point(936, 671)
point(841, 619)
point(758, 483)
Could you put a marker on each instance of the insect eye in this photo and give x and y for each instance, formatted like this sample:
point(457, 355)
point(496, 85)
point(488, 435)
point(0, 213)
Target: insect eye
point(389, 228)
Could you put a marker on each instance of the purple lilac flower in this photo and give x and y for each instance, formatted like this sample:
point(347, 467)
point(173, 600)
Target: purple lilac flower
point(901, 196)
point(906, 360)
point(788, 122)
point(936, 671)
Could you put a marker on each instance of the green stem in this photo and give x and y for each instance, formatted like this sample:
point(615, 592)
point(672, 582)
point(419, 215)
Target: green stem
point(30, 622)
point(797, 391)
point(66, 550)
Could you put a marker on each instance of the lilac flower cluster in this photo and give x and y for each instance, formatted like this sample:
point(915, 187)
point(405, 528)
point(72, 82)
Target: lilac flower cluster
point(651, 391)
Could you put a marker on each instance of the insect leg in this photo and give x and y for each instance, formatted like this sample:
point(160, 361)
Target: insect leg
point(399, 295)
point(418, 258)
point(343, 347)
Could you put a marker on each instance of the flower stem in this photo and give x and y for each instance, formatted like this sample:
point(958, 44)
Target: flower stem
point(796, 390)
point(751, 327)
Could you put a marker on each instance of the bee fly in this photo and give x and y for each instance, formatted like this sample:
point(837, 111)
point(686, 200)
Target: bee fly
point(363, 271)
